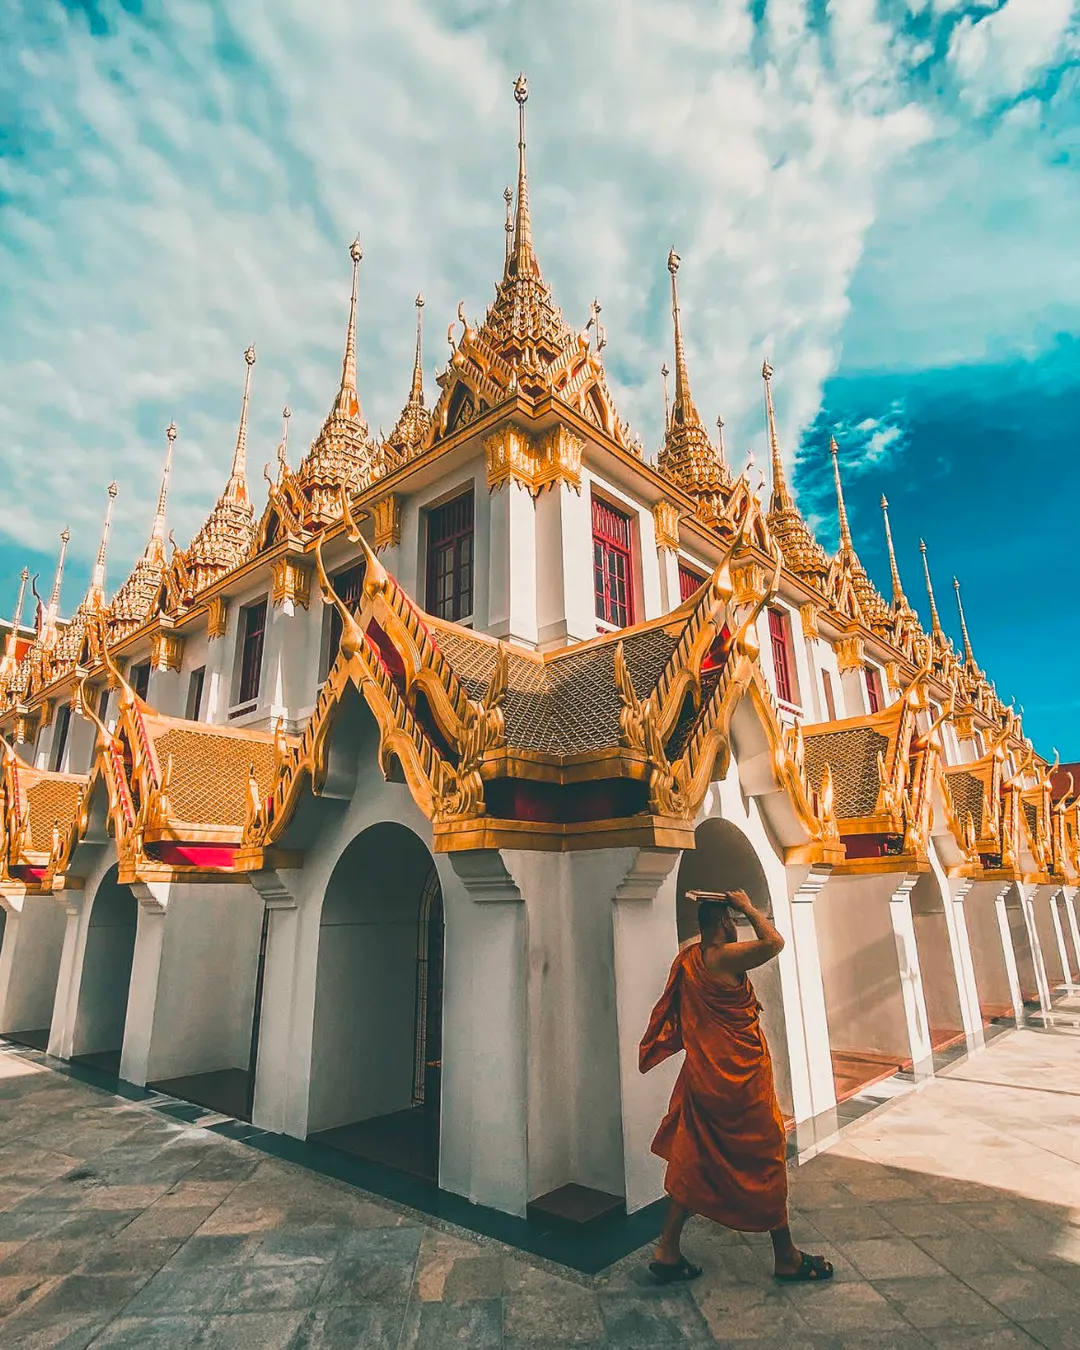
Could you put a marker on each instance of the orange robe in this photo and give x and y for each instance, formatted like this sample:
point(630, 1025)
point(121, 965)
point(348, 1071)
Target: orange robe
point(723, 1136)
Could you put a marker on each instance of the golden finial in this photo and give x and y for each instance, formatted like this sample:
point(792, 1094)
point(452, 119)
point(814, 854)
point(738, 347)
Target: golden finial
point(664, 373)
point(48, 628)
point(236, 488)
point(522, 260)
point(781, 498)
point(348, 400)
point(683, 412)
point(899, 599)
point(969, 655)
point(7, 661)
point(95, 595)
point(841, 509)
point(508, 198)
point(935, 621)
point(416, 393)
point(283, 445)
point(720, 440)
point(158, 531)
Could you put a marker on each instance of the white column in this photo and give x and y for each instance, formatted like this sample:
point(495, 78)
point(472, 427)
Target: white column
point(29, 961)
point(1059, 934)
point(907, 956)
point(275, 1067)
point(484, 1126)
point(153, 898)
point(965, 965)
point(512, 611)
point(66, 1002)
point(1025, 896)
point(1067, 899)
point(811, 1023)
point(668, 566)
point(645, 940)
point(1009, 952)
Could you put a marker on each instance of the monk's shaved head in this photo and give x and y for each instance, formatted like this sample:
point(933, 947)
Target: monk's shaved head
point(715, 921)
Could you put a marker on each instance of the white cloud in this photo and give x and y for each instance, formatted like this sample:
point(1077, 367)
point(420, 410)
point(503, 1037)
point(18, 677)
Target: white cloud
point(996, 56)
point(181, 190)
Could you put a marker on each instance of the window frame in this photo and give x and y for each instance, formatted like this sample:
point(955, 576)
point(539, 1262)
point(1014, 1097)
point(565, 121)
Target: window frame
point(785, 672)
point(875, 688)
point(459, 605)
point(687, 574)
point(140, 679)
point(192, 713)
point(611, 546)
point(249, 672)
point(348, 584)
point(62, 728)
point(829, 694)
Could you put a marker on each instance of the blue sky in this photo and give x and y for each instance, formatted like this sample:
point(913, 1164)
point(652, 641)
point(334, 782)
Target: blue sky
point(880, 196)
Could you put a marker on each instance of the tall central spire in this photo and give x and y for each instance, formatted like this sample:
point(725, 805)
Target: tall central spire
point(841, 509)
point(7, 661)
point(969, 655)
point(781, 499)
point(899, 599)
point(48, 627)
point(683, 412)
point(236, 489)
point(522, 259)
point(417, 390)
point(95, 595)
point(157, 534)
point(348, 400)
point(935, 621)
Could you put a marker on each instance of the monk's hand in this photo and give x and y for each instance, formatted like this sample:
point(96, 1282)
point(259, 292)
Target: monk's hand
point(741, 901)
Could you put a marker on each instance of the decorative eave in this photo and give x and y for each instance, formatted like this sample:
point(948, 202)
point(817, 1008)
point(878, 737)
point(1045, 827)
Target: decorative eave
point(37, 808)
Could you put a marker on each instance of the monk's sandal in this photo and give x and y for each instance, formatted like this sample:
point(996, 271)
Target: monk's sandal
point(810, 1268)
point(668, 1272)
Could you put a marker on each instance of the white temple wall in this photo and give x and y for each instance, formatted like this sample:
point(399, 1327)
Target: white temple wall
point(512, 598)
point(1025, 944)
point(940, 962)
point(565, 605)
point(870, 968)
point(993, 956)
point(1050, 939)
point(1071, 925)
point(31, 944)
point(192, 994)
point(82, 742)
point(290, 661)
point(100, 936)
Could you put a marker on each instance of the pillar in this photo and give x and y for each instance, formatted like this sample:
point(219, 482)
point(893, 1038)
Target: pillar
point(811, 1022)
point(907, 955)
point(153, 898)
point(66, 1001)
point(277, 1072)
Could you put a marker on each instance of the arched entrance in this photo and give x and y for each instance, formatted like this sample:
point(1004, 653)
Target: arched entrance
point(376, 1055)
point(937, 963)
point(724, 860)
point(98, 1036)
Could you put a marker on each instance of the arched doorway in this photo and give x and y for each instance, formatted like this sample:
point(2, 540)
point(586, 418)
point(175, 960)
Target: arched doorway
point(723, 859)
point(937, 963)
point(98, 1036)
point(376, 1057)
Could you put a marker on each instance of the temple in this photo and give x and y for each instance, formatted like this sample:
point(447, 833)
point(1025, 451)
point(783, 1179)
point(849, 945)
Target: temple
point(370, 818)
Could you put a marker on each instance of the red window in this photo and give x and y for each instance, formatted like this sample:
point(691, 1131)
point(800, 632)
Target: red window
point(873, 689)
point(689, 581)
point(350, 587)
point(830, 701)
point(783, 655)
point(251, 651)
point(450, 559)
point(612, 571)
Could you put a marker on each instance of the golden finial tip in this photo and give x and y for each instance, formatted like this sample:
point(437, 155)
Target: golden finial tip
point(884, 502)
point(521, 88)
point(113, 489)
point(673, 261)
point(24, 575)
point(766, 370)
point(249, 355)
point(286, 412)
point(355, 251)
point(65, 535)
point(922, 545)
point(419, 300)
point(170, 432)
point(956, 584)
point(508, 196)
point(664, 370)
point(834, 449)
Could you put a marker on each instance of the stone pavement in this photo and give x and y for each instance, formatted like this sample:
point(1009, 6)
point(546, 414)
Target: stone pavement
point(952, 1216)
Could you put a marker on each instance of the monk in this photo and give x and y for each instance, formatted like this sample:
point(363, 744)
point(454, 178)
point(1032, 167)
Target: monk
point(723, 1136)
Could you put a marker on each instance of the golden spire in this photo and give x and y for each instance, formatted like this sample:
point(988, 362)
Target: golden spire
point(664, 373)
point(899, 599)
point(417, 391)
point(720, 441)
point(969, 655)
point(683, 412)
point(283, 445)
point(95, 595)
point(508, 197)
point(935, 621)
point(48, 627)
point(157, 534)
point(522, 259)
point(7, 661)
point(236, 488)
point(781, 498)
point(348, 400)
point(845, 529)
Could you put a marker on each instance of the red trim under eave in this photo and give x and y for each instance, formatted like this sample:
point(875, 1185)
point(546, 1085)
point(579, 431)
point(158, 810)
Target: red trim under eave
point(209, 857)
point(868, 845)
point(28, 873)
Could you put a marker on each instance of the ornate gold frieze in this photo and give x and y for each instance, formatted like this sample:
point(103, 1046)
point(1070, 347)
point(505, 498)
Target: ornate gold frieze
point(850, 654)
point(290, 582)
point(512, 456)
point(46, 714)
point(166, 651)
point(892, 674)
point(386, 513)
point(750, 583)
point(809, 613)
point(965, 726)
point(217, 618)
point(666, 521)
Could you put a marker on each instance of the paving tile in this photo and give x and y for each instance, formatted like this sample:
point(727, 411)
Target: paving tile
point(982, 1253)
point(313, 1245)
point(373, 1327)
point(637, 1321)
point(50, 1333)
point(846, 1223)
point(1025, 1294)
point(272, 1287)
point(1006, 1337)
point(89, 1294)
point(919, 1218)
point(183, 1289)
point(475, 1277)
point(150, 1333)
point(890, 1258)
point(1055, 1333)
point(444, 1326)
point(568, 1317)
point(250, 1331)
point(830, 1308)
point(939, 1302)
